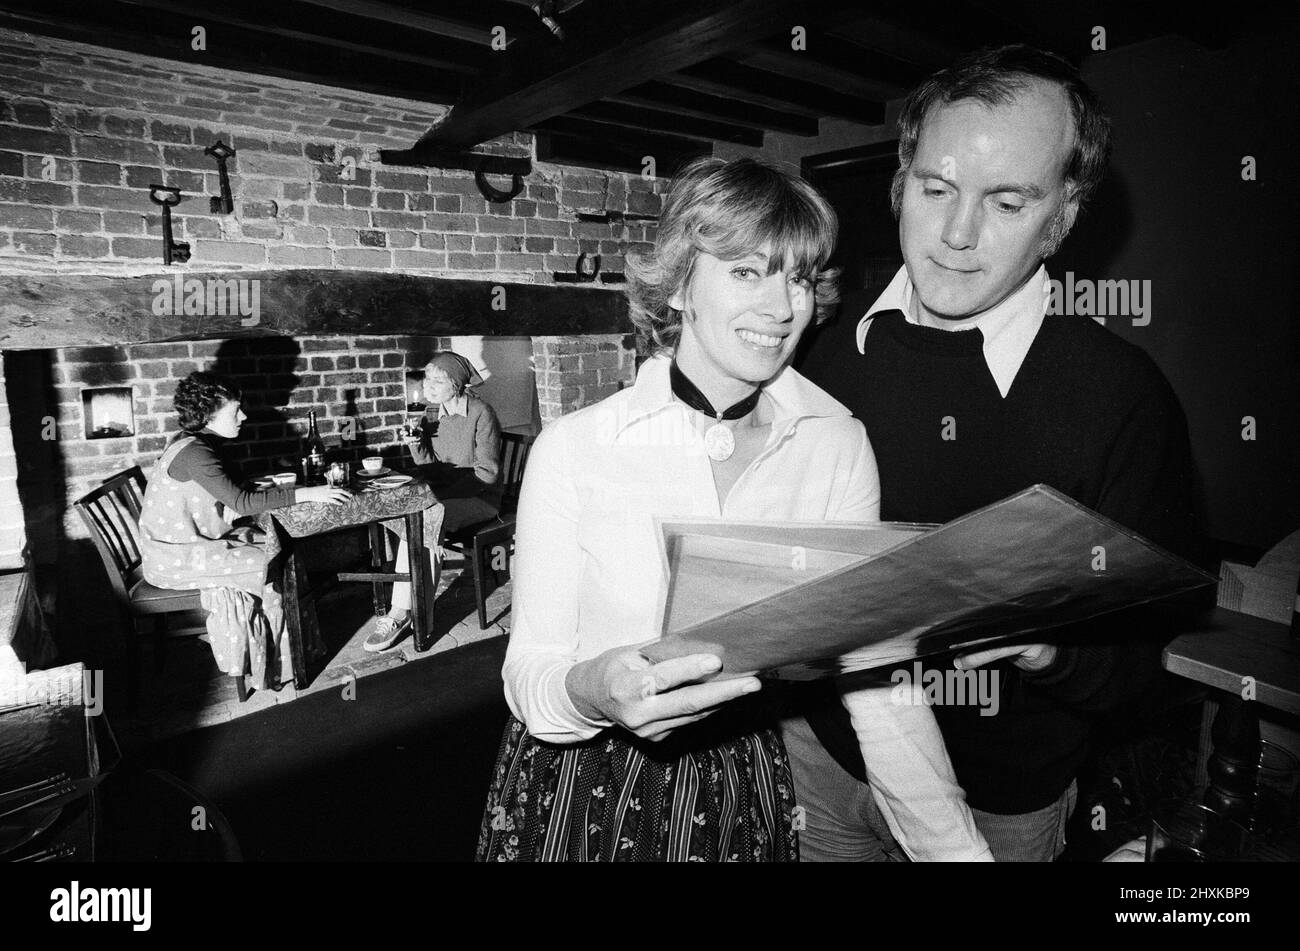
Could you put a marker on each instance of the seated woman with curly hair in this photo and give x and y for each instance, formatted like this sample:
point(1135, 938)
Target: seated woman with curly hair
point(187, 540)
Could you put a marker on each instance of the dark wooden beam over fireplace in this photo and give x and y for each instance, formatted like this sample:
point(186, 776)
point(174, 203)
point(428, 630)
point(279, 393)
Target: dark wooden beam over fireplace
point(72, 310)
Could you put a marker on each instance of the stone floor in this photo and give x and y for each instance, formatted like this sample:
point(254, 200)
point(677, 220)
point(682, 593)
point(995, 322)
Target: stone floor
point(189, 692)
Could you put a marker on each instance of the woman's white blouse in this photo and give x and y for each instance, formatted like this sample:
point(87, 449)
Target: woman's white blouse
point(588, 575)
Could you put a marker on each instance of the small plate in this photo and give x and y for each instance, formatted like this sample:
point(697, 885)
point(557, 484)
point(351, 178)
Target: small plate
point(391, 482)
point(366, 474)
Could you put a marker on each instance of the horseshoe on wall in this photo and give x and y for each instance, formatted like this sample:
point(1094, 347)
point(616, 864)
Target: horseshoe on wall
point(588, 266)
point(495, 195)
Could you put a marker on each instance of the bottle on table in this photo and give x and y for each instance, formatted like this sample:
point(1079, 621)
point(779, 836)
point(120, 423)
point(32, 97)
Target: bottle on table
point(313, 453)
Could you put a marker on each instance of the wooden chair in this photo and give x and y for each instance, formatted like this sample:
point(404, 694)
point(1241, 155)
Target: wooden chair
point(112, 514)
point(481, 543)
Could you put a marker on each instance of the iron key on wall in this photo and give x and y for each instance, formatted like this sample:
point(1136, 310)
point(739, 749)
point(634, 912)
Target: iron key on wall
point(169, 196)
point(224, 203)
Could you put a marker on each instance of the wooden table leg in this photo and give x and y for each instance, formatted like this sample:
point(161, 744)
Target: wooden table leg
point(419, 586)
point(293, 619)
point(377, 562)
point(1209, 710)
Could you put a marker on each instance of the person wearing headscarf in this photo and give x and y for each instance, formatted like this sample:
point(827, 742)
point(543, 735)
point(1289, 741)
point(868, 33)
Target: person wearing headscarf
point(458, 449)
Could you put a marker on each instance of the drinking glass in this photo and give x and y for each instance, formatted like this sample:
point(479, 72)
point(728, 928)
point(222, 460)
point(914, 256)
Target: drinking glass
point(338, 474)
point(414, 421)
point(1186, 831)
point(1277, 793)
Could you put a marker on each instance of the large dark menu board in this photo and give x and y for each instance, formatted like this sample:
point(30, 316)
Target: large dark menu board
point(805, 601)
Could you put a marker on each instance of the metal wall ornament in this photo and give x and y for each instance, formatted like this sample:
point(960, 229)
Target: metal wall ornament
point(496, 195)
point(482, 165)
point(224, 203)
point(610, 217)
point(588, 266)
point(586, 270)
point(174, 252)
point(548, 12)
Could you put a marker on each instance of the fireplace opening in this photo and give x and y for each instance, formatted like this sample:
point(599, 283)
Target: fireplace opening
point(81, 415)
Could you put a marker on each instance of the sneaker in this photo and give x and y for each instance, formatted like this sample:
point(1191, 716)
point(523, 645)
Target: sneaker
point(388, 631)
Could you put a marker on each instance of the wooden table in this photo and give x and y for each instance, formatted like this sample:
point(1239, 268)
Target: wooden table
point(1225, 647)
point(54, 755)
point(286, 527)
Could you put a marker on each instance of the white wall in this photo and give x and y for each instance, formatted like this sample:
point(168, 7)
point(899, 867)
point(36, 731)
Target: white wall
point(506, 365)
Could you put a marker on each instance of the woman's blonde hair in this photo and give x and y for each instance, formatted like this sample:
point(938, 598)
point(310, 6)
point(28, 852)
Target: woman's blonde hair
point(729, 210)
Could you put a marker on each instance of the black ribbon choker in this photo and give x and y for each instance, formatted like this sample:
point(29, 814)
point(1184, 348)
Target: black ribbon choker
point(690, 394)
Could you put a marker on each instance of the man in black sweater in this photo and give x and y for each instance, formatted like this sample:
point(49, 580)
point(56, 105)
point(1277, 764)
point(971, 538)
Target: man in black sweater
point(969, 392)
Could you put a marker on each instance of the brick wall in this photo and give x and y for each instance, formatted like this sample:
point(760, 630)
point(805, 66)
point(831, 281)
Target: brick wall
point(356, 385)
point(84, 132)
point(343, 378)
point(573, 372)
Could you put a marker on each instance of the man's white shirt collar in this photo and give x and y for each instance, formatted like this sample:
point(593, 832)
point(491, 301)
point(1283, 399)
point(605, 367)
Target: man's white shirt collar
point(1009, 328)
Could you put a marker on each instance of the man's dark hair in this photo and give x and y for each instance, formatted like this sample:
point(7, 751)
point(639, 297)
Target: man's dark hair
point(200, 395)
point(995, 76)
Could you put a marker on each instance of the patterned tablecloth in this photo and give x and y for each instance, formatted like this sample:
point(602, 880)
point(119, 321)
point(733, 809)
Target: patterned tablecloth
point(305, 519)
point(368, 505)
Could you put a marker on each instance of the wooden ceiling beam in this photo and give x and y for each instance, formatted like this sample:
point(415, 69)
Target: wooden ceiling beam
point(166, 36)
point(720, 77)
point(903, 42)
point(654, 120)
point(831, 61)
point(296, 21)
point(932, 39)
point(567, 141)
point(607, 155)
point(692, 103)
point(468, 20)
point(610, 46)
point(802, 66)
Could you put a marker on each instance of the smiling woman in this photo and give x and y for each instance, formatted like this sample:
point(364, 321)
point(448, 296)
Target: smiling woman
point(738, 210)
point(612, 757)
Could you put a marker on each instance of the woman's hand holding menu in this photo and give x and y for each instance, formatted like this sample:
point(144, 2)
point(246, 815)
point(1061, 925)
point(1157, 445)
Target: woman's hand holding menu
point(651, 700)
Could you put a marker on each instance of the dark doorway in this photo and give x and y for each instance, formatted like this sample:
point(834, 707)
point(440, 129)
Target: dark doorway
point(856, 183)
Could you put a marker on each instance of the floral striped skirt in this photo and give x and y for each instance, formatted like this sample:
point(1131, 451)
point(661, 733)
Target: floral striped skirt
point(617, 798)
